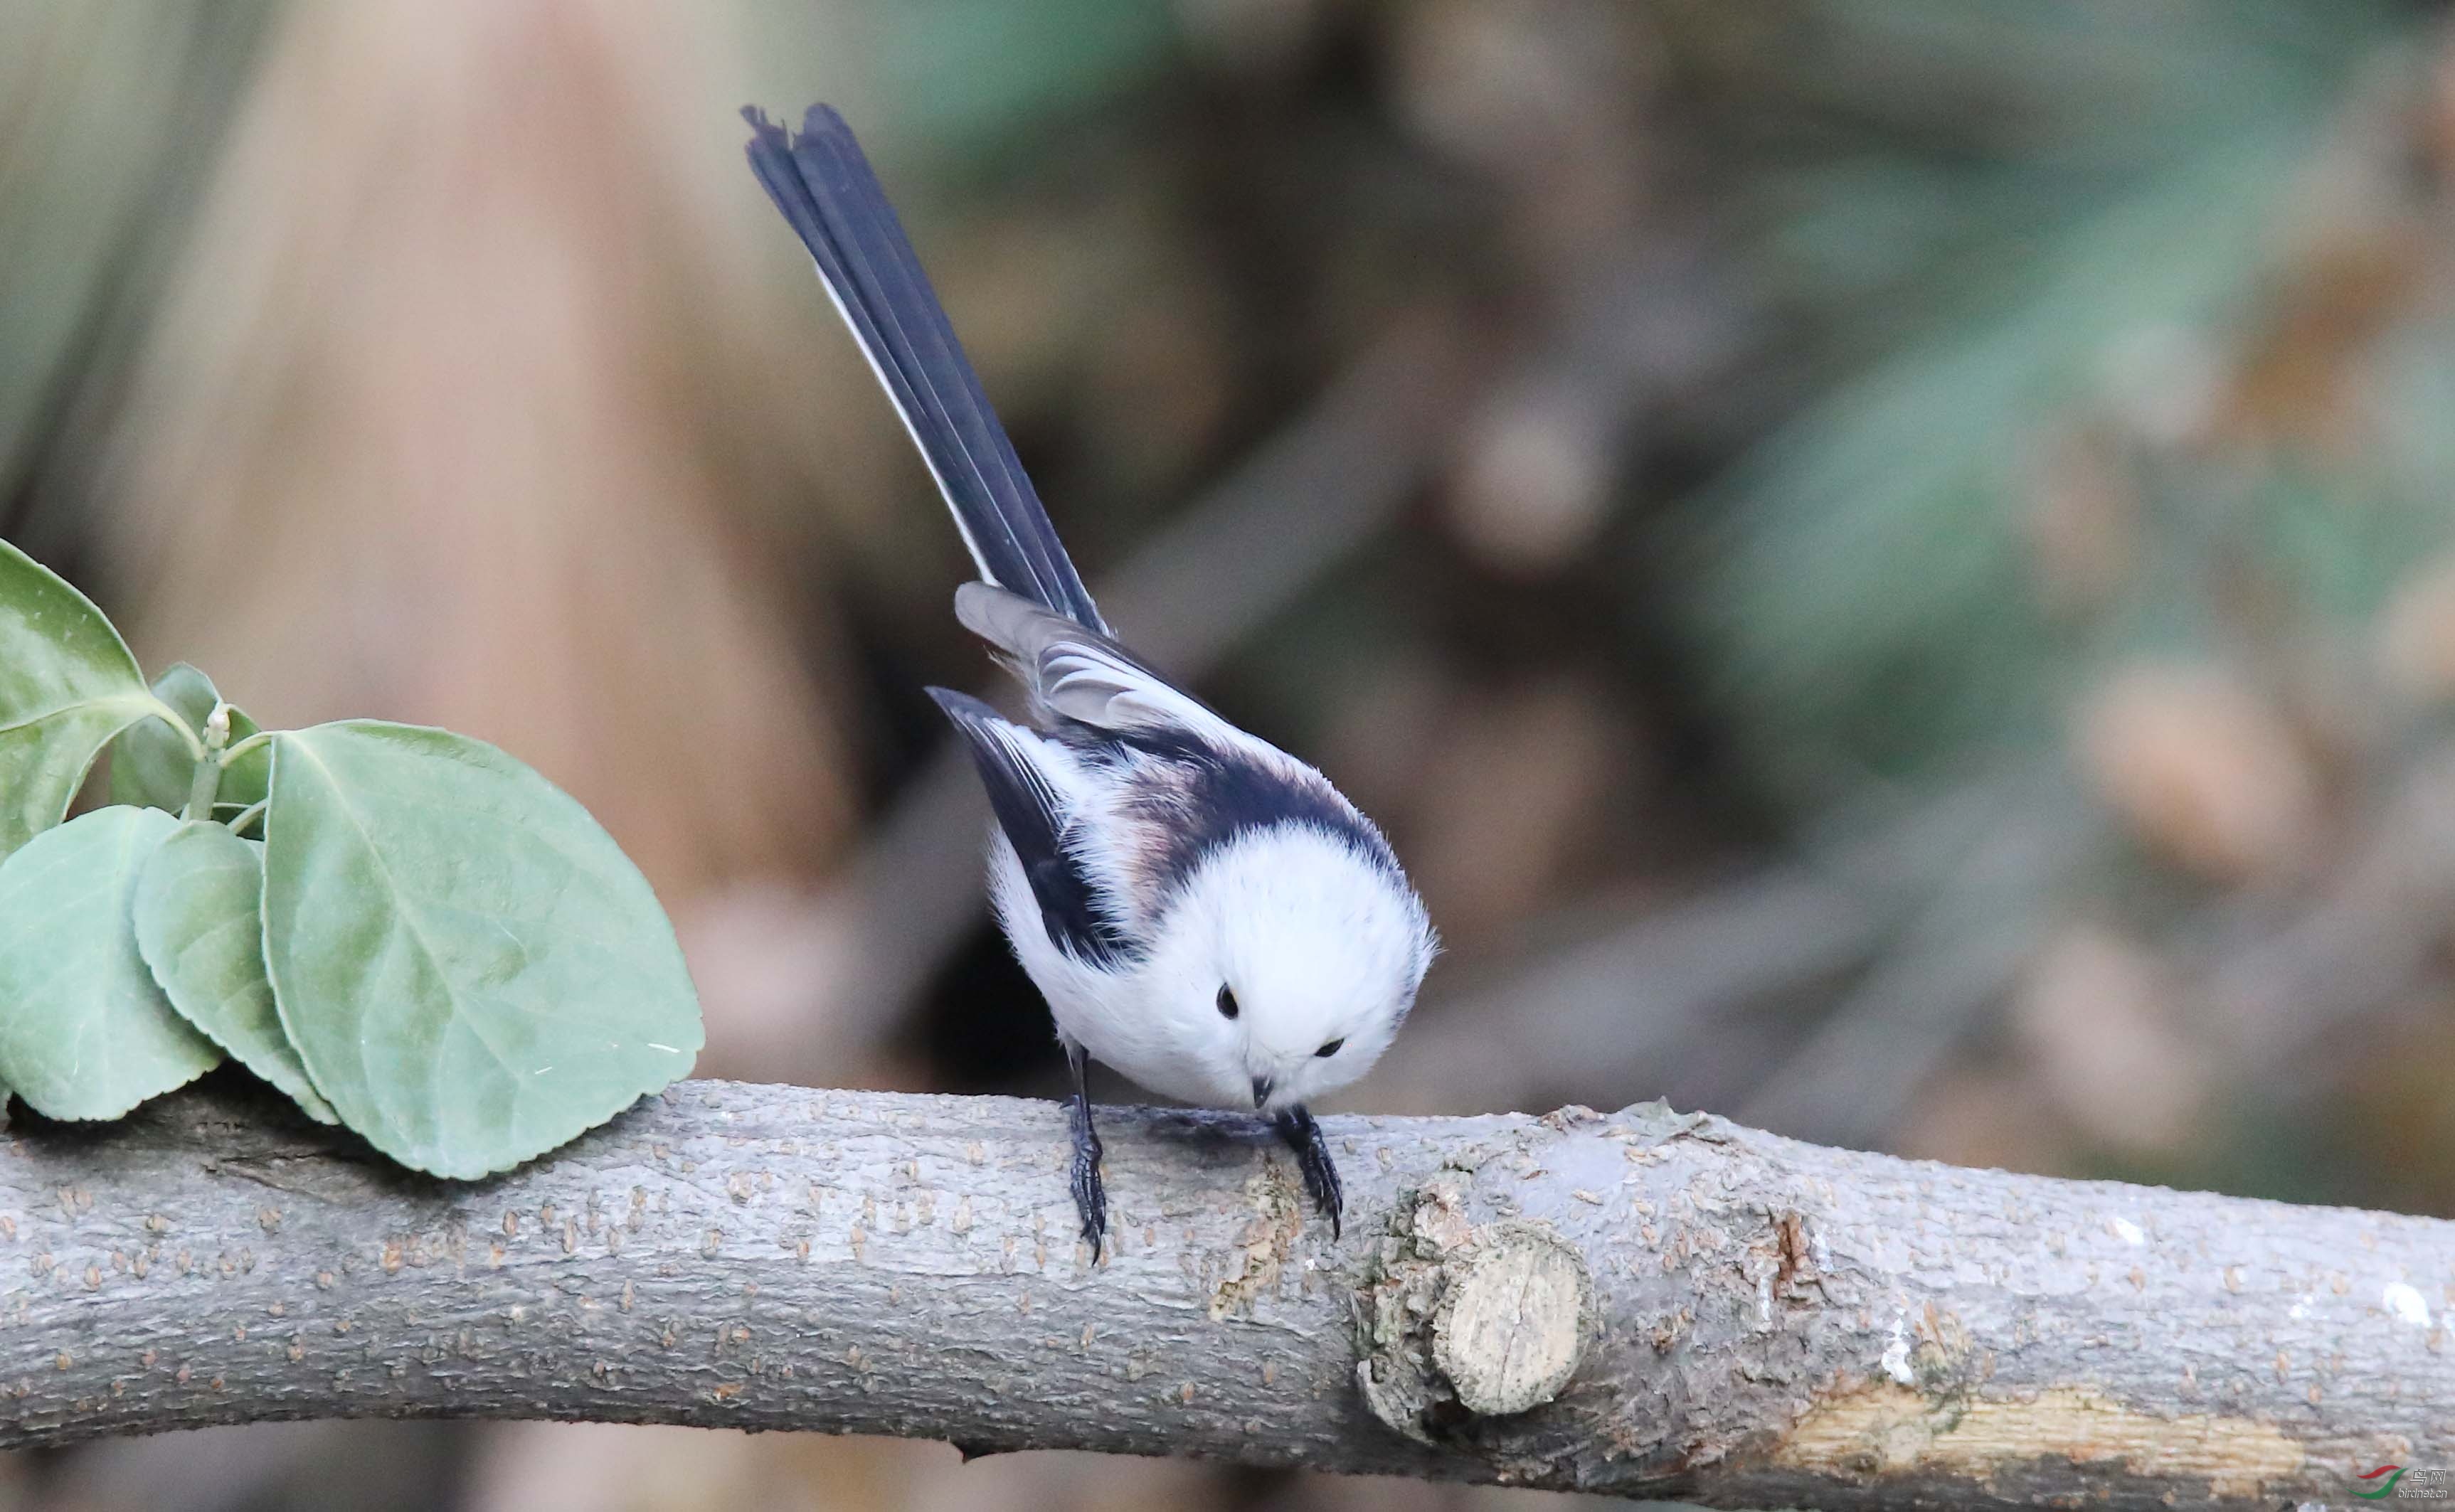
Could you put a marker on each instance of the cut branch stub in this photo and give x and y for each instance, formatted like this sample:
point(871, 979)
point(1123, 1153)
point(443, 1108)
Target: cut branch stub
point(1464, 1322)
point(1512, 1325)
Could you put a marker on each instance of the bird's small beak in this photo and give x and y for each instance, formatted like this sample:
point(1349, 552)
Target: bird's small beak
point(1262, 1090)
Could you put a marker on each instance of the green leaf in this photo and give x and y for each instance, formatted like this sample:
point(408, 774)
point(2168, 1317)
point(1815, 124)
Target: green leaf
point(152, 768)
point(471, 968)
point(85, 1033)
point(200, 929)
point(67, 686)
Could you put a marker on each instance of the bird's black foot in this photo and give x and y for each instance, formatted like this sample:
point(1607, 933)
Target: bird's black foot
point(1312, 1158)
point(1090, 1197)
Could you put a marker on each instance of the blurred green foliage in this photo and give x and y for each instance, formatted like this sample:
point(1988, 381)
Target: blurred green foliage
point(2029, 214)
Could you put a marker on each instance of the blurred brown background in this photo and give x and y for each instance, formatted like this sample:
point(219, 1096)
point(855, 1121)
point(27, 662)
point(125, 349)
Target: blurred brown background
point(1891, 567)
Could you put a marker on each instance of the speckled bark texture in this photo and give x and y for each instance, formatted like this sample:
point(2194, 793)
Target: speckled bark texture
point(1691, 1309)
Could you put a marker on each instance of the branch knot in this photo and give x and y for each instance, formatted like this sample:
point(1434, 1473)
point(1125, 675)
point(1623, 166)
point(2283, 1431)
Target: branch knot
point(1465, 1322)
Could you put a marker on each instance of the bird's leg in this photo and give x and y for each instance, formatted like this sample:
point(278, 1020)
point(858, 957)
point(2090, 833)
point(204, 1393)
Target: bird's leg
point(1312, 1158)
point(1090, 1200)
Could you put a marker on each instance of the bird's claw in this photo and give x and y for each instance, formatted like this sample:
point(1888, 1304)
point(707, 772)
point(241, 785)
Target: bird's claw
point(1090, 1197)
point(1321, 1182)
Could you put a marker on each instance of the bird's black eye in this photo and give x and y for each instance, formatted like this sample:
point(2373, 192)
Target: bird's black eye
point(1226, 1001)
point(1331, 1049)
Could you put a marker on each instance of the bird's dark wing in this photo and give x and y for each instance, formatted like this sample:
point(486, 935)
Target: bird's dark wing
point(824, 186)
point(1032, 818)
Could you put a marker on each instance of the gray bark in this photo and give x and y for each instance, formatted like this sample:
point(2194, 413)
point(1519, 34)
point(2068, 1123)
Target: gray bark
point(1639, 1302)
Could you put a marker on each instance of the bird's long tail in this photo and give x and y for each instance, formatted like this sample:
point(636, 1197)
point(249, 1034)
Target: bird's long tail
point(824, 186)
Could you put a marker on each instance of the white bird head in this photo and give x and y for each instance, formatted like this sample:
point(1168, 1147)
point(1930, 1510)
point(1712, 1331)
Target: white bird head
point(1291, 957)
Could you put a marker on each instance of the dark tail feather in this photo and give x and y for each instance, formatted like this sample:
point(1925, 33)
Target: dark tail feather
point(825, 187)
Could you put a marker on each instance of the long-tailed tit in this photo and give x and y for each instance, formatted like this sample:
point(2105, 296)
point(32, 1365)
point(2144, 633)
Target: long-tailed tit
point(1203, 912)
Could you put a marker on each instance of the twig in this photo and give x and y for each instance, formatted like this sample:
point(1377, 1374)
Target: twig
point(1605, 1010)
point(1951, 968)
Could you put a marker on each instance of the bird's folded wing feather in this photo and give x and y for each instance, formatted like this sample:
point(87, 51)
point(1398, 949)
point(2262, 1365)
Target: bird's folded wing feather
point(1083, 675)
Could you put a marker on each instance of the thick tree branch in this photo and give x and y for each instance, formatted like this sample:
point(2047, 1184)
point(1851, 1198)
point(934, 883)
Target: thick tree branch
point(1738, 1319)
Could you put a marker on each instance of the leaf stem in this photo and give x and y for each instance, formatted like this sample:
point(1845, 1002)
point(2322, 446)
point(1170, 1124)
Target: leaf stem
point(204, 788)
point(179, 722)
point(248, 816)
point(240, 748)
